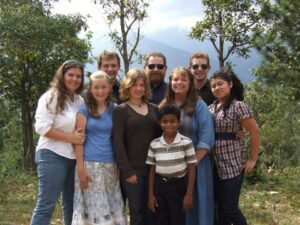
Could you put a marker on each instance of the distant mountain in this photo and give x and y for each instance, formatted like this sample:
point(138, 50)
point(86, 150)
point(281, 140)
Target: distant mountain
point(178, 38)
point(178, 47)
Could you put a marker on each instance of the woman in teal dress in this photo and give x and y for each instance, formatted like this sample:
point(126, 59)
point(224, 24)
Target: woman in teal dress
point(197, 124)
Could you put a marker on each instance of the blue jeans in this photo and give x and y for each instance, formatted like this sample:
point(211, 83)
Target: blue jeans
point(55, 178)
point(228, 194)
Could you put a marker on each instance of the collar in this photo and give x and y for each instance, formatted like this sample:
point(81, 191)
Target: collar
point(176, 140)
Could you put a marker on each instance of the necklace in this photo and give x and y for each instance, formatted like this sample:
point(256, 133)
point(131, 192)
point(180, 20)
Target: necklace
point(138, 105)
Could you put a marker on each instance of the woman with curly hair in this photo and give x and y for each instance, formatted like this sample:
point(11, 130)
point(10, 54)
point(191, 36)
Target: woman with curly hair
point(135, 125)
point(55, 158)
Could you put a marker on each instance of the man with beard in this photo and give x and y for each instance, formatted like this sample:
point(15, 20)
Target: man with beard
point(109, 62)
point(199, 67)
point(155, 68)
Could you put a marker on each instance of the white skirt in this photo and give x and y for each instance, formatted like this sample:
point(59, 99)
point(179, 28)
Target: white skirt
point(101, 203)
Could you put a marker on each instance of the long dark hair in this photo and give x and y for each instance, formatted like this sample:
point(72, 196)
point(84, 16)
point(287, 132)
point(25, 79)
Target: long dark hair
point(237, 89)
point(191, 99)
point(58, 84)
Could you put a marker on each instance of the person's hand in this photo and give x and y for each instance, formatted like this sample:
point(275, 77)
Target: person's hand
point(152, 203)
point(240, 134)
point(84, 179)
point(248, 167)
point(132, 179)
point(187, 202)
point(78, 137)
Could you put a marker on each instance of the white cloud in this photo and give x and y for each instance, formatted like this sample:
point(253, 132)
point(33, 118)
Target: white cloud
point(163, 14)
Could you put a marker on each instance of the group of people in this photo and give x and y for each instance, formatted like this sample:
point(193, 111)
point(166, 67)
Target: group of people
point(172, 150)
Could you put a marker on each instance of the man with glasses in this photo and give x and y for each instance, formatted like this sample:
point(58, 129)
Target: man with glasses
point(155, 68)
point(199, 67)
point(109, 62)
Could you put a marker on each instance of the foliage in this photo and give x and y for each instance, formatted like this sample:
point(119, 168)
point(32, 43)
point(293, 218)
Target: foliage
point(279, 121)
point(229, 25)
point(33, 43)
point(10, 142)
point(280, 46)
point(127, 15)
point(275, 94)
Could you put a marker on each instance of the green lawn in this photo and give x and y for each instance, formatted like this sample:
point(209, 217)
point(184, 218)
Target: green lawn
point(271, 199)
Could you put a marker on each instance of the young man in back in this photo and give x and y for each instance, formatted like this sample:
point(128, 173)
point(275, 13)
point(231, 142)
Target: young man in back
point(109, 62)
point(199, 66)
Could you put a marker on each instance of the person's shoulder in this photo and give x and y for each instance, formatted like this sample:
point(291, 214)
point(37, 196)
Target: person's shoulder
point(120, 108)
point(238, 103)
point(201, 104)
point(152, 105)
point(49, 94)
point(83, 107)
point(212, 105)
point(184, 138)
point(156, 140)
point(79, 99)
point(156, 143)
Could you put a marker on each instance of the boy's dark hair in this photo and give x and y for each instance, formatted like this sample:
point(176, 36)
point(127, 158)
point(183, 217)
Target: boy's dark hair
point(169, 109)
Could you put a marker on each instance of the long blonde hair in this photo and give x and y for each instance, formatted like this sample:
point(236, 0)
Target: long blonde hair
point(89, 99)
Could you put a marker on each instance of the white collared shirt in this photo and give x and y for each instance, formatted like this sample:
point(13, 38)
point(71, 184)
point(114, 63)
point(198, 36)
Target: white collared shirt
point(46, 118)
point(171, 159)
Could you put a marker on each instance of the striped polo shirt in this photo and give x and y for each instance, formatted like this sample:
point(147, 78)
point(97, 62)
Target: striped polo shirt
point(171, 159)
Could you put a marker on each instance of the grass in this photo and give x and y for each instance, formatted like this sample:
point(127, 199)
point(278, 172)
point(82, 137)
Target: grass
point(272, 198)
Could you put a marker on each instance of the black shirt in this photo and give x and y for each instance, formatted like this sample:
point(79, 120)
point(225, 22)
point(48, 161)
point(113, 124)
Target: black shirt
point(206, 94)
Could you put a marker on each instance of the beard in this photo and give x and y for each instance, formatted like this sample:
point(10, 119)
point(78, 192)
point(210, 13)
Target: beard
point(156, 78)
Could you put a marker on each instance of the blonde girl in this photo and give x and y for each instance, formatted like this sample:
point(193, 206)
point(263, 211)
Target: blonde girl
point(97, 197)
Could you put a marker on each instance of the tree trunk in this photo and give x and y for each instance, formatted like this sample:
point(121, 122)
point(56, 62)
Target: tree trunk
point(221, 42)
point(28, 146)
point(27, 120)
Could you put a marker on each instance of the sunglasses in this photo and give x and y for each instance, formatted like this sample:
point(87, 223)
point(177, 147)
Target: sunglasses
point(203, 66)
point(158, 66)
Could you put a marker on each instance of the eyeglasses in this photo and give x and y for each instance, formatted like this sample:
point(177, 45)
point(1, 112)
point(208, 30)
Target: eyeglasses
point(203, 66)
point(158, 66)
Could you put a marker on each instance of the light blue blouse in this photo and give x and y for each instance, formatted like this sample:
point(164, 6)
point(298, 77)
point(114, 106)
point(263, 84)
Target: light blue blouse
point(199, 127)
point(98, 144)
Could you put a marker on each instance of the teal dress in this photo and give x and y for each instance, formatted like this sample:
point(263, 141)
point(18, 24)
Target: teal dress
point(199, 127)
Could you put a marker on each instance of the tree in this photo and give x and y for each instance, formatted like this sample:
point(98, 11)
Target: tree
point(33, 43)
point(128, 14)
point(279, 121)
point(229, 25)
point(280, 47)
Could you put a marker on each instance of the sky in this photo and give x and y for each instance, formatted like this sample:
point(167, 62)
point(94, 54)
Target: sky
point(174, 17)
point(163, 14)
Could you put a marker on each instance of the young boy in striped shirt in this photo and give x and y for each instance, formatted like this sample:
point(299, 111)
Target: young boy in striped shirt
point(172, 162)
